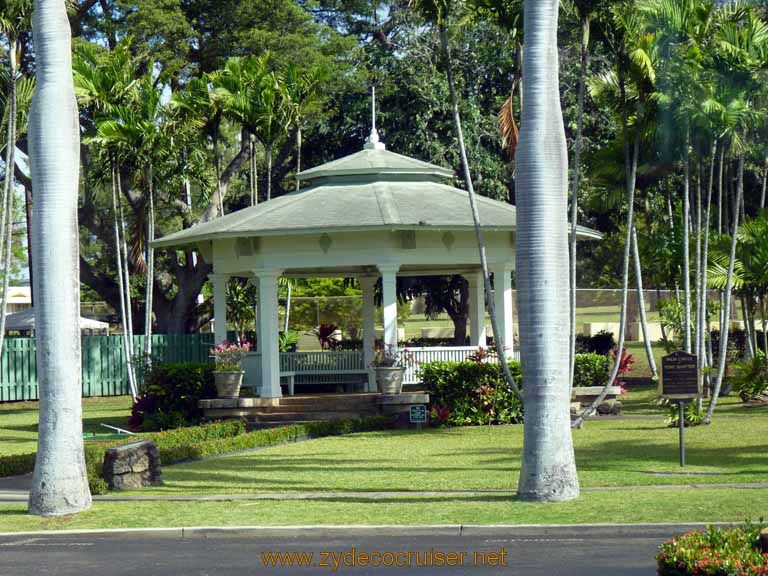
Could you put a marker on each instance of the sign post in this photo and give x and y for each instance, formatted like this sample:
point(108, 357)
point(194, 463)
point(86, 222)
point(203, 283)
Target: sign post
point(680, 382)
point(418, 415)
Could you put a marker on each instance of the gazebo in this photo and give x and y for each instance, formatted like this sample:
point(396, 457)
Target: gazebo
point(373, 214)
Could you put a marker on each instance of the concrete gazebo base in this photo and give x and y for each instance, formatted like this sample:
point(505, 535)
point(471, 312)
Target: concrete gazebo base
point(270, 412)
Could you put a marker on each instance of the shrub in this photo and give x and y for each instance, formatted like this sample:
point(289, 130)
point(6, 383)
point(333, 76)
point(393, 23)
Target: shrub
point(591, 369)
point(170, 396)
point(751, 379)
point(715, 551)
point(468, 393)
point(601, 343)
point(692, 416)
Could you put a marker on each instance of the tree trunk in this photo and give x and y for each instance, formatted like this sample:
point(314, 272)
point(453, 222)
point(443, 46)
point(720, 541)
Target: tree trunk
point(686, 243)
point(548, 471)
point(641, 306)
point(121, 283)
point(703, 321)
point(498, 336)
point(631, 159)
point(60, 480)
point(298, 154)
point(269, 171)
point(459, 329)
point(576, 168)
point(252, 171)
point(728, 287)
point(150, 285)
point(8, 188)
point(720, 191)
point(764, 188)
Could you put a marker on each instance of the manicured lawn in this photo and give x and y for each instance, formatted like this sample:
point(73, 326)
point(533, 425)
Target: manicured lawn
point(624, 506)
point(18, 421)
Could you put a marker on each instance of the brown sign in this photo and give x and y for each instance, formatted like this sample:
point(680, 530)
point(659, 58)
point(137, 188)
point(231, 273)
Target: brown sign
point(680, 376)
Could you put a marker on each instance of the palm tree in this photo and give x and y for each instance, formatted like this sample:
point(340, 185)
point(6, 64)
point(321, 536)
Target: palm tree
point(548, 467)
point(14, 18)
point(273, 117)
point(104, 81)
point(302, 90)
point(60, 481)
point(437, 12)
point(633, 80)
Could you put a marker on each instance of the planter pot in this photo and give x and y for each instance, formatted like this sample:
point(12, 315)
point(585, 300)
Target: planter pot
point(228, 384)
point(389, 380)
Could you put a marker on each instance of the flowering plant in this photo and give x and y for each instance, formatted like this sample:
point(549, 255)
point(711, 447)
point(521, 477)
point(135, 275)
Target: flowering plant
point(229, 356)
point(389, 357)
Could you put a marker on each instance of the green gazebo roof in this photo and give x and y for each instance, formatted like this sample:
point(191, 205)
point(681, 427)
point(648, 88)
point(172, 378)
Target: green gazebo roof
point(373, 189)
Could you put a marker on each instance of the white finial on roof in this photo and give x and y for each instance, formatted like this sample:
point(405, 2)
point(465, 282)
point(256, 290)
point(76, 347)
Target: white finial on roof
point(373, 143)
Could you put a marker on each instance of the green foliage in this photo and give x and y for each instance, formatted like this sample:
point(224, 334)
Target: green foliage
point(591, 370)
point(472, 392)
point(601, 343)
point(287, 341)
point(751, 378)
point(194, 443)
point(691, 414)
point(170, 396)
point(714, 551)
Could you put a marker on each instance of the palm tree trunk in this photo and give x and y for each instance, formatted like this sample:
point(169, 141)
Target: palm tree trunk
point(252, 172)
point(548, 471)
point(631, 159)
point(269, 171)
point(121, 286)
point(728, 288)
point(575, 188)
point(765, 331)
point(703, 321)
point(150, 269)
point(60, 481)
point(765, 186)
point(126, 277)
point(686, 243)
point(298, 154)
point(698, 332)
point(720, 191)
point(6, 251)
point(641, 306)
point(498, 336)
point(750, 351)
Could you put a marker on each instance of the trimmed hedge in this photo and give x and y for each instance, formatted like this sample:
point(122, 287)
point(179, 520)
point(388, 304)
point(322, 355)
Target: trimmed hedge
point(716, 551)
point(198, 442)
point(591, 369)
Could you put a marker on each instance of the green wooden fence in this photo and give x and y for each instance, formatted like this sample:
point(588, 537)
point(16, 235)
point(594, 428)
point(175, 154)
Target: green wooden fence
point(103, 362)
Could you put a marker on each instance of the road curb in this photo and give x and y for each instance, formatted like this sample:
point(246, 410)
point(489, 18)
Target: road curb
point(510, 531)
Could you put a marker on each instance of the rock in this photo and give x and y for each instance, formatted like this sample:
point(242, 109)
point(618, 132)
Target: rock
point(132, 466)
point(609, 408)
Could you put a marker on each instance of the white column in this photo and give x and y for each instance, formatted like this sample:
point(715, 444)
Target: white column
point(476, 309)
point(502, 301)
point(268, 332)
point(367, 284)
point(219, 282)
point(389, 303)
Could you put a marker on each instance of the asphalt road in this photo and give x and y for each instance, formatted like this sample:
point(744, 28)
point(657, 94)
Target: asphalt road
point(572, 554)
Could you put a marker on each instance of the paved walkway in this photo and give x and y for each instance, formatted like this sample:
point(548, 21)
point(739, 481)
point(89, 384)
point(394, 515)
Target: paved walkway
point(16, 489)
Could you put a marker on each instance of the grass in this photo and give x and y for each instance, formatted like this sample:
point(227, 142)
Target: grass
point(630, 455)
point(592, 507)
point(18, 421)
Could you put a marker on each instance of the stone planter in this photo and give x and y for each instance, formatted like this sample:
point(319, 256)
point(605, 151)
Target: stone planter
point(228, 384)
point(389, 379)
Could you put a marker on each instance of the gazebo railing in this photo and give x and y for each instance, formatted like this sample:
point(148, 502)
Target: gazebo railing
point(324, 367)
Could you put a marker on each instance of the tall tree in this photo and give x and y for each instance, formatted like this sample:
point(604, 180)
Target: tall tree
point(60, 481)
point(548, 467)
point(437, 12)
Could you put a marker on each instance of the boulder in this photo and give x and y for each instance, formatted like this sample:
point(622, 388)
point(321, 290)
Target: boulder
point(132, 466)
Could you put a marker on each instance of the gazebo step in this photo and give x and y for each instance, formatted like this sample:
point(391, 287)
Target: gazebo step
point(284, 417)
